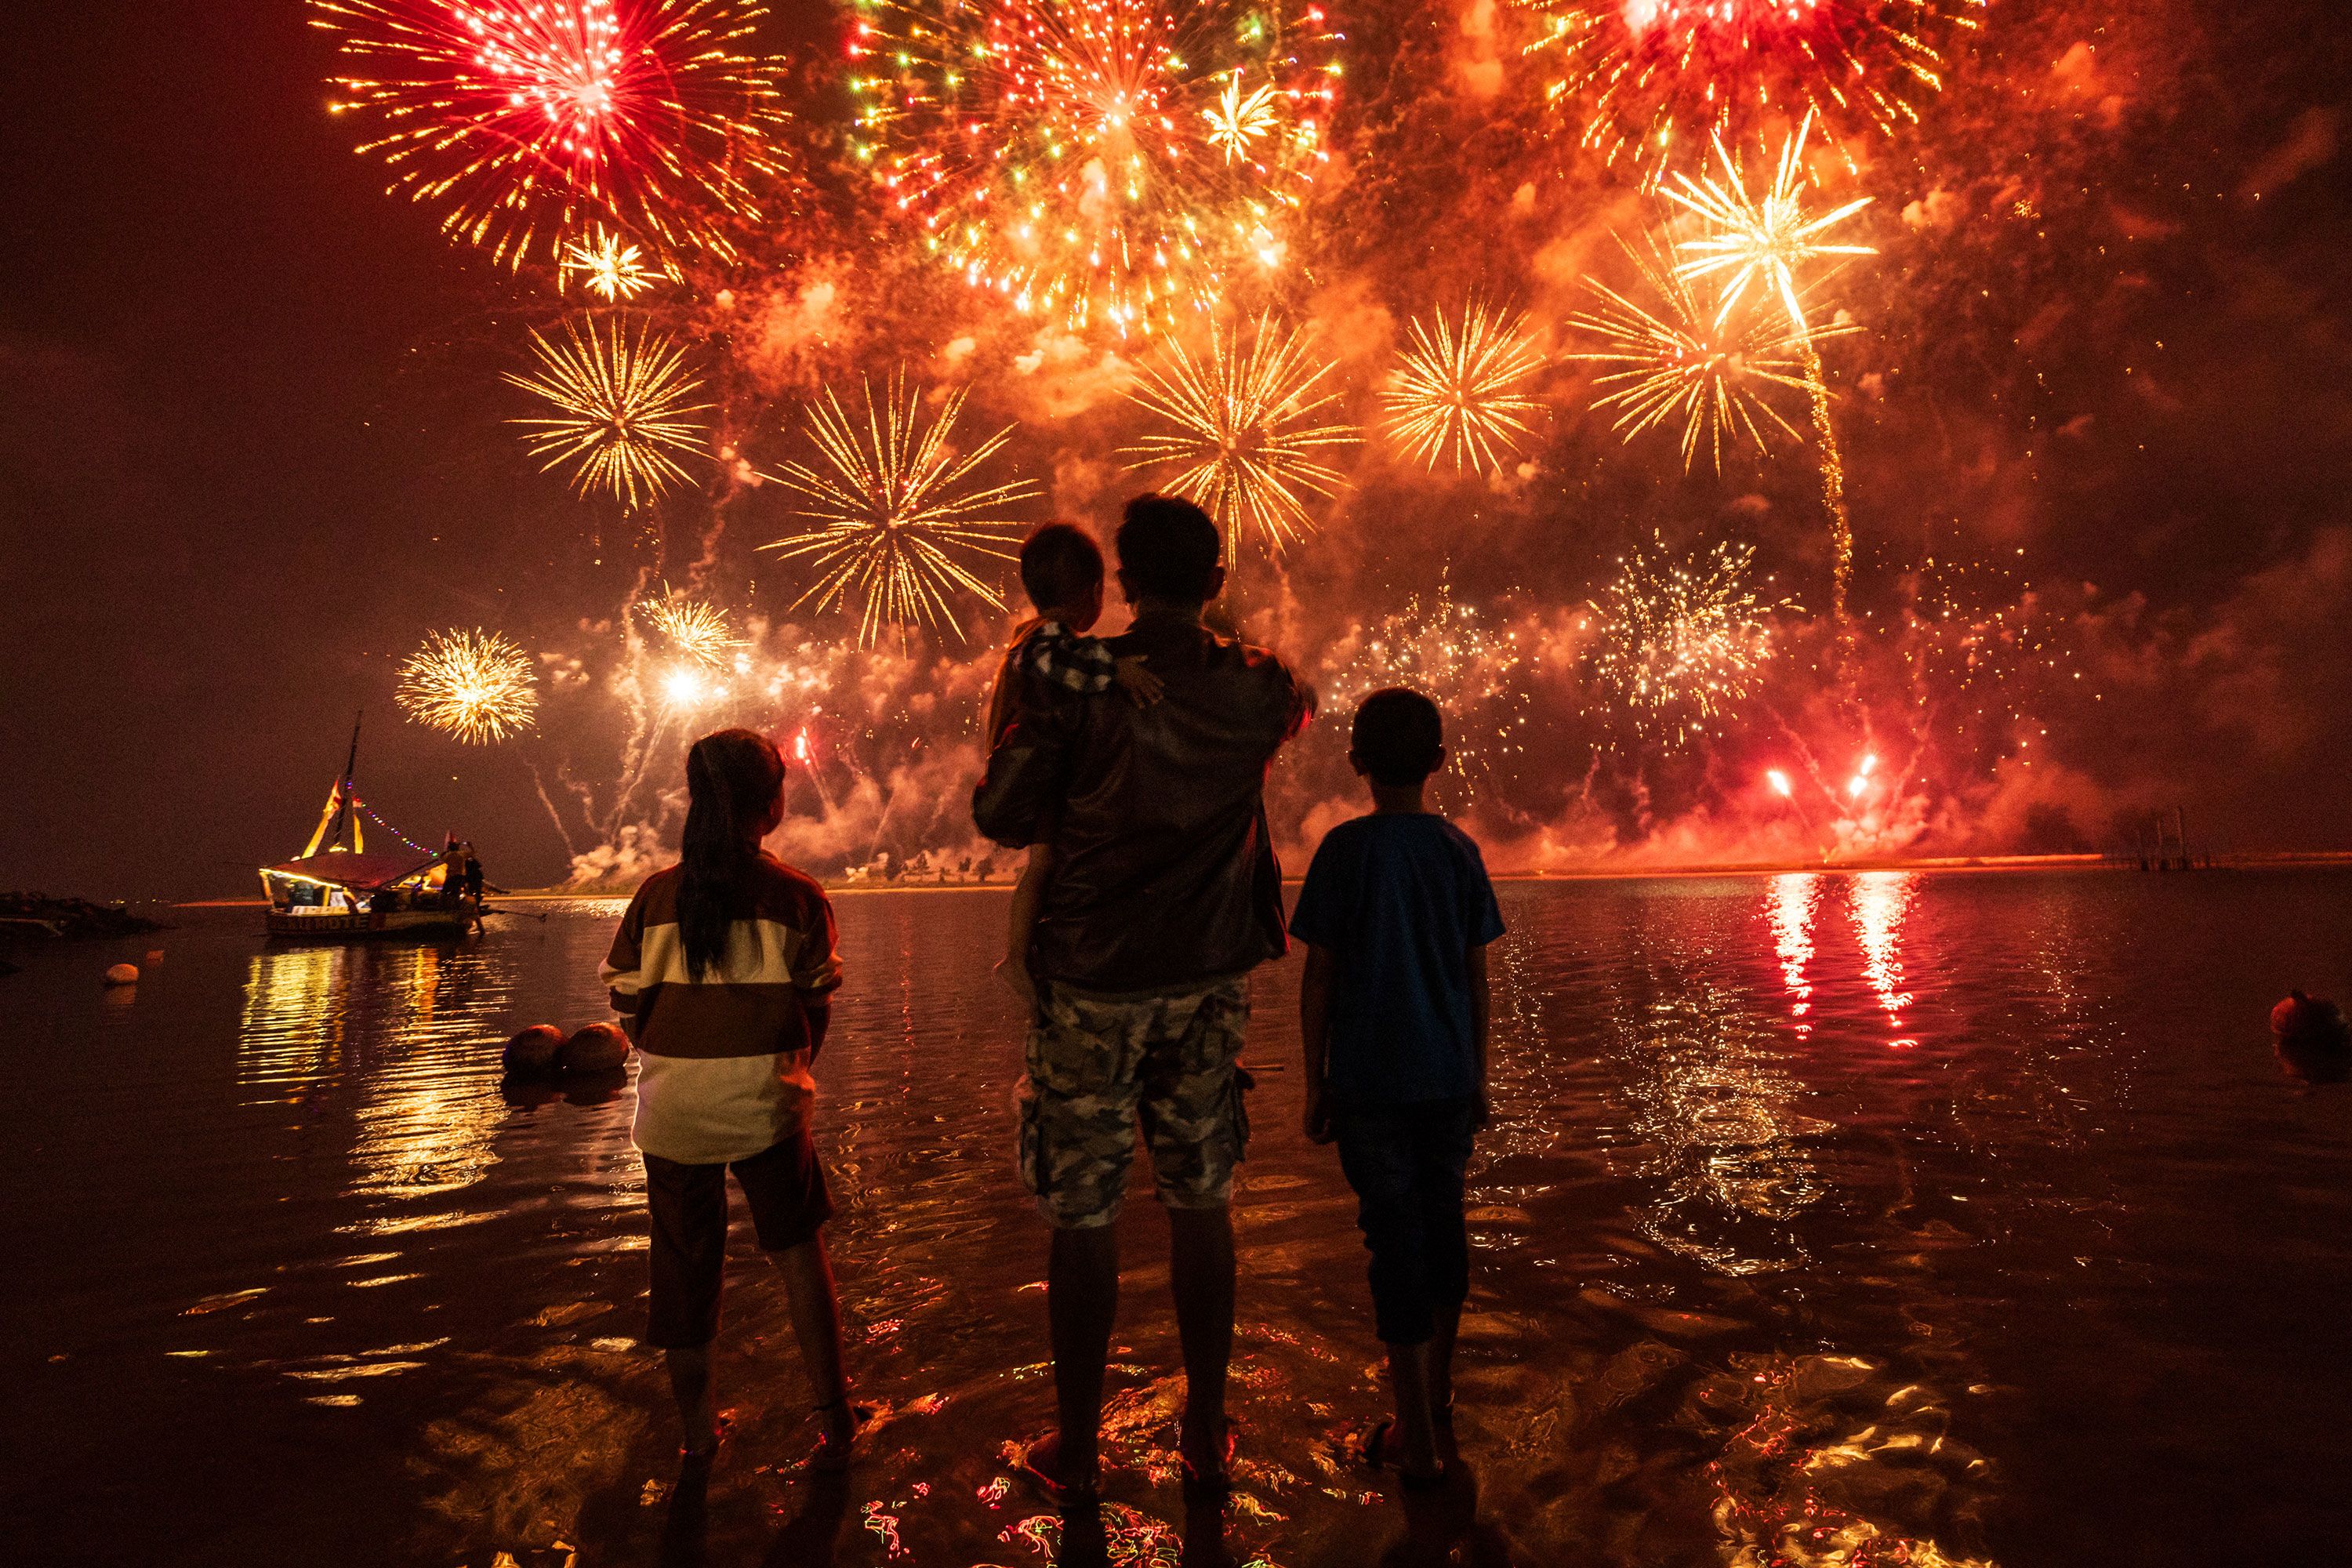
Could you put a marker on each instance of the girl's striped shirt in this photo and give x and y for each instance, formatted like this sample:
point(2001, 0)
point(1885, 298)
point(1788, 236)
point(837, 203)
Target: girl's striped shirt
point(724, 1070)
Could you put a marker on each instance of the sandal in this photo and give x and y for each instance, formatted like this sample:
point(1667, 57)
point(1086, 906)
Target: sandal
point(1041, 1464)
point(721, 1426)
point(832, 1455)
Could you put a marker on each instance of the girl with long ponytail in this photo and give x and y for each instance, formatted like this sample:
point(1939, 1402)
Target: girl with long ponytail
point(723, 971)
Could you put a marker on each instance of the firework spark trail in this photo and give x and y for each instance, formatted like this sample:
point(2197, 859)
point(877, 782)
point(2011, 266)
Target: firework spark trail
point(1654, 77)
point(1763, 241)
point(1244, 436)
point(476, 685)
point(621, 404)
point(1683, 638)
point(1109, 165)
point(1685, 361)
point(1459, 388)
point(696, 630)
point(903, 523)
point(523, 121)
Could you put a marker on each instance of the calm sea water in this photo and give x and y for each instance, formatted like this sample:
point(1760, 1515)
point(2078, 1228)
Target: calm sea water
point(1867, 1219)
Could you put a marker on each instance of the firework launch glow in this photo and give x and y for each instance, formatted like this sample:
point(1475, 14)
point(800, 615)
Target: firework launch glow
point(621, 409)
point(474, 685)
point(904, 523)
point(1244, 429)
point(1113, 164)
point(1646, 81)
point(524, 123)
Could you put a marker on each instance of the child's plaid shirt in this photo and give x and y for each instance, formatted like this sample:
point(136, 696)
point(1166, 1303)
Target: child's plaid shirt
point(1076, 663)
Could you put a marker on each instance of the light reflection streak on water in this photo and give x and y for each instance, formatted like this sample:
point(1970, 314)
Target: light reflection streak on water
point(403, 1020)
point(1882, 904)
point(1719, 1111)
point(1793, 900)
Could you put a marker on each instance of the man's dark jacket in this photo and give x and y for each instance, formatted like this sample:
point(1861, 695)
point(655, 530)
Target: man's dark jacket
point(1163, 877)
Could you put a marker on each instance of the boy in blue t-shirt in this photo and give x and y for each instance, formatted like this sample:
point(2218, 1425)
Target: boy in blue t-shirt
point(1396, 914)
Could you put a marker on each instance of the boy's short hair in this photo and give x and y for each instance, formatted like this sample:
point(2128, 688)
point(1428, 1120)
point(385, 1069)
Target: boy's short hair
point(1060, 565)
point(1397, 737)
point(1169, 548)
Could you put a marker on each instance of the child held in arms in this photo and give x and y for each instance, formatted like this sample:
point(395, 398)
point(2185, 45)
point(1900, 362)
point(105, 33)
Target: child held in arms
point(1062, 572)
point(1396, 914)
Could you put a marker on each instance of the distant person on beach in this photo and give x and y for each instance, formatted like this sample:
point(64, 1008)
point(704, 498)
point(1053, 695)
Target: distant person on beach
point(723, 971)
point(1164, 894)
point(1396, 913)
point(1062, 572)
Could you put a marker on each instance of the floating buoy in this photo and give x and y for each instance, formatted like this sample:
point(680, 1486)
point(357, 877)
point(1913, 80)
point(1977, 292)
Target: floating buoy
point(2310, 1024)
point(123, 974)
point(533, 1050)
point(599, 1048)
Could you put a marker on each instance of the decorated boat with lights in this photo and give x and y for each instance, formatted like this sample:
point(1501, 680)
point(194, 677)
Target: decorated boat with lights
point(342, 890)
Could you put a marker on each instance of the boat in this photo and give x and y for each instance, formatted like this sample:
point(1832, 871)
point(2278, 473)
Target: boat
point(339, 889)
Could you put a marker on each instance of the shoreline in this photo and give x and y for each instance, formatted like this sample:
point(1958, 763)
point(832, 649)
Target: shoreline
point(1971, 864)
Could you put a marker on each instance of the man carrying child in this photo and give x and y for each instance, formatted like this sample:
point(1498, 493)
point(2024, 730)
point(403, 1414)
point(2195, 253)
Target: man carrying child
point(1164, 894)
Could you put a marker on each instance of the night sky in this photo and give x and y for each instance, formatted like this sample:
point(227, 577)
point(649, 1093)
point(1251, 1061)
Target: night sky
point(251, 450)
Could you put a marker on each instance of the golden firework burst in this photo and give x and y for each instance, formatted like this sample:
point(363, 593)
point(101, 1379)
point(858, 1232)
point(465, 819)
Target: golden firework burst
point(474, 685)
point(1681, 363)
point(607, 265)
point(1248, 426)
point(1459, 388)
point(1683, 638)
point(902, 519)
point(696, 630)
point(621, 407)
point(1763, 239)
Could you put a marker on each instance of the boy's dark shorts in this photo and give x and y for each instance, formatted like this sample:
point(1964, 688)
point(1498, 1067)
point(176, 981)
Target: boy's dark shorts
point(1407, 1164)
point(784, 1187)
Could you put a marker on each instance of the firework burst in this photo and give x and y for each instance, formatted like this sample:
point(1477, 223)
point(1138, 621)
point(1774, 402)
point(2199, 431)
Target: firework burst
point(474, 685)
point(1760, 240)
point(1459, 389)
point(1684, 639)
point(695, 630)
point(621, 409)
point(1763, 241)
point(1683, 362)
point(1248, 426)
point(902, 519)
point(525, 122)
point(1448, 651)
point(607, 266)
point(1653, 77)
point(1106, 164)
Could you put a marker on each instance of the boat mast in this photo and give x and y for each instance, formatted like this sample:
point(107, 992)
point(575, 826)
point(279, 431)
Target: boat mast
point(343, 793)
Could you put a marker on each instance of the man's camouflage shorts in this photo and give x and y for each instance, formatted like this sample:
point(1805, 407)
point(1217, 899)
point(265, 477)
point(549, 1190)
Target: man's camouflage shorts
point(1099, 1063)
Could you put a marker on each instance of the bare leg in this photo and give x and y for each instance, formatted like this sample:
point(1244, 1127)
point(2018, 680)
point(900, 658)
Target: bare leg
point(1201, 1271)
point(1440, 1379)
point(1413, 1447)
point(1028, 898)
point(816, 1324)
point(1082, 1300)
point(689, 1384)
